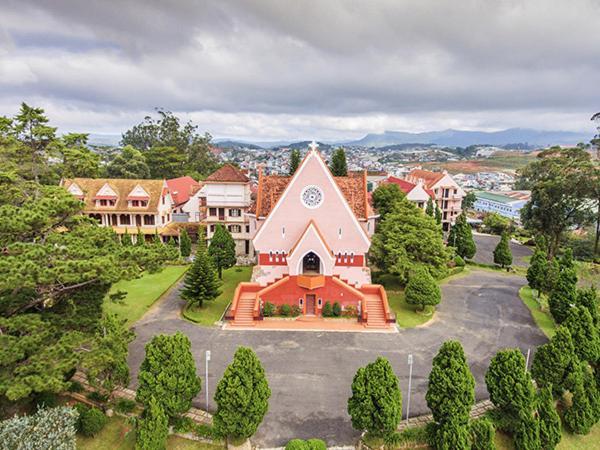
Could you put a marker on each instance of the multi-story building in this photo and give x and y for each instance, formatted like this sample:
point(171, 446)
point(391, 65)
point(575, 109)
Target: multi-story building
point(224, 199)
point(507, 204)
point(125, 205)
point(447, 193)
point(416, 193)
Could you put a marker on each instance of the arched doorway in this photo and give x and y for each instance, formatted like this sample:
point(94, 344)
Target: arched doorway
point(311, 264)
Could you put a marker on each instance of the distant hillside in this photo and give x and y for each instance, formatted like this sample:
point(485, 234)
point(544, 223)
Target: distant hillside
point(459, 138)
point(236, 145)
point(303, 145)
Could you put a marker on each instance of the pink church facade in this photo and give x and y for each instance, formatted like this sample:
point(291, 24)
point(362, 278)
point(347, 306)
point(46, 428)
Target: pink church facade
point(311, 233)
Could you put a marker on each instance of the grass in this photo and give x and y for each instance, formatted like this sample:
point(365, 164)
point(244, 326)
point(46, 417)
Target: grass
point(119, 435)
point(142, 292)
point(588, 274)
point(569, 440)
point(541, 316)
point(212, 311)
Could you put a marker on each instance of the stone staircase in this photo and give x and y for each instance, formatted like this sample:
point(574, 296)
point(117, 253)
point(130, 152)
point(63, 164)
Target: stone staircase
point(375, 313)
point(245, 309)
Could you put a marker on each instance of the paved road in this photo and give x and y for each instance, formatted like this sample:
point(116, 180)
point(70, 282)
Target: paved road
point(486, 243)
point(310, 373)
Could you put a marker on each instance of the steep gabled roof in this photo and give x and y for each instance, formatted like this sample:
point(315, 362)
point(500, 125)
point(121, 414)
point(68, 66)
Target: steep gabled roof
point(429, 178)
point(182, 189)
point(311, 227)
point(227, 174)
point(407, 186)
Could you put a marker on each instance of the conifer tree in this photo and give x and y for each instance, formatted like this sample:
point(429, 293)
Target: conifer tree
point(511, 390)
point(552, 276)
point(450, 396)
point(564, 293)
point(527, 434)
point(201, 282)
point(588, 298)
point(593, 392)
point(140, 238)
point(461, 237)
point(430, 209)
point(294, 161)
point(422, 289)
point(222, 249)
point(438, 215)
point(185, 244)
point(550, 430)
point(153, 428)
point(482, 434)
point(502, 253)
point(579, 417)
point(242, 396)
point(376, 401)
point(537, 270)
point(552, 362)
point(584, 334)
point(339, 166)
point(156, 239)
point(126, 239)
point(168, 373)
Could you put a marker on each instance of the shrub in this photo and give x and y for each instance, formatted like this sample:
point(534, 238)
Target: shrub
point(458, 261)
point(268, 309)
point(48, 428)
point(75, 386)
point(47, 399)
point(285, 310)
point(350, 311)
point(92, 421)
point(242, 396)
point(527, 435)
point(502, 253)
point(96, 396)
point(482, 434)
point(422, 289)
point(153, 428)
point(550, 432)
point(552, 361)
point(296, 444)
point(168, 374)
point(183, 424)
point(376, 402)
point(125, 405)
point(337, 309)
point(584, 333)
point(316, 444)
point(461, 237)
point(327, 310)
point(296, 311)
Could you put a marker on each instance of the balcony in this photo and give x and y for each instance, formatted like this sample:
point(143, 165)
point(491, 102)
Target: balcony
point(311, 281)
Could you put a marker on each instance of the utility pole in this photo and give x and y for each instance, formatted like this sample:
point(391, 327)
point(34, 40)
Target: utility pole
point(410, 366)
point(206, 378)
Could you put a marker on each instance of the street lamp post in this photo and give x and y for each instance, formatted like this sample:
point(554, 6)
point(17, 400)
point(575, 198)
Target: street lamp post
point(207, 359)
point(410, 365)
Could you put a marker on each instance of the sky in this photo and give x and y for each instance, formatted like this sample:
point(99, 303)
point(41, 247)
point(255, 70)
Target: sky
point(304, 69)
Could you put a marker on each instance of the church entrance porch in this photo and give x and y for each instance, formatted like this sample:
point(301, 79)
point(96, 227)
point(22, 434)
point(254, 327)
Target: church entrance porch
point(311, 264)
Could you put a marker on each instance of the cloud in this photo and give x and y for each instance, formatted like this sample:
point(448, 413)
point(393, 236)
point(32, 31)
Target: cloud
point(325, 69)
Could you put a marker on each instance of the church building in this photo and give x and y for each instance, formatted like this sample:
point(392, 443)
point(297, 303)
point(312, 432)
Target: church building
point(311, 233)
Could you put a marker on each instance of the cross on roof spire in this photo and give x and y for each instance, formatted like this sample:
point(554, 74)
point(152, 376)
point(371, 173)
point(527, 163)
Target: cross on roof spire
point(313, 146)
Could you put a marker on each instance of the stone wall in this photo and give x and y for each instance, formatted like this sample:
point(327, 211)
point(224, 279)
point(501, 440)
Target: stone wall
point(479, 409)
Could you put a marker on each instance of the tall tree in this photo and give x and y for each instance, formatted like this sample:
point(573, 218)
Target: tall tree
point(376, 401)
point(538, 269)
point(561, 187)
point(242, 396)
point(502, 253)
point(385, 197)
point(438, 215)
point(469, 200)
point(201, 283)
point(76, 159)
point(222, 249)
point(165, 162)
point(185, 243)
point(564, 291)
point(588, 298)
point(168, 374)
point(339, 166)
point(584, 333)
point(128, 163)
point(430, 208)
point(461, 237)
point(580, 416)
point(550, 432)
point(450, 396)
point(152, 428)
point(294, 161)
point(422, 289)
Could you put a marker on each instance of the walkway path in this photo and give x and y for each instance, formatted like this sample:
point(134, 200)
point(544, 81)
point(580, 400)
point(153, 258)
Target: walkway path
point(310, 373)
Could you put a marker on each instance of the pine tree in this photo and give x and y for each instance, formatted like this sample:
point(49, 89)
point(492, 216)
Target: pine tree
point(579, 417)
point(450, 396)
point(430, 209)
point(222, 249)
point(527, 434)
point(376, 401)
point(438, 215)
point(510, 387)
point(422, 289)
point(168, 373)
point(564, 294)
point(201, 282)
point(185, 243)
point(550, 429)
point(126, 239)
point(552, 362)
point(153, 428)
point(584, 334)
point(537, 270)
point(156, 239)
point(482, 434)
point(242, 396)
point(461, 237)
point(339, 166)
point(294, 161)
point(588, 298)
point(552, 276)
point(593, 392)
point(502, 253)
point(140, 238)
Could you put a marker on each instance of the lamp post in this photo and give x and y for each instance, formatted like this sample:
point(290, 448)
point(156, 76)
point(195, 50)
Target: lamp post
point(207, 359)
point(410, 366)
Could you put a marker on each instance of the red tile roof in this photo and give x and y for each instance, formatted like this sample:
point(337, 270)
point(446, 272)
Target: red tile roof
point(227, 174)
point(407, 186)
point(182, 189)
point(429, 178)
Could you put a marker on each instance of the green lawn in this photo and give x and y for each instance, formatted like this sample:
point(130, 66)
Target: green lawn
point(569, 440)
point(119, 435)
point(212, 311)
point(542, 317)
point(142, 292)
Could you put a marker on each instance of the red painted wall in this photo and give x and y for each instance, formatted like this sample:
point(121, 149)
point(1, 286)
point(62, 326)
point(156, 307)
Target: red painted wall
point(358, 261)
point(263, 260)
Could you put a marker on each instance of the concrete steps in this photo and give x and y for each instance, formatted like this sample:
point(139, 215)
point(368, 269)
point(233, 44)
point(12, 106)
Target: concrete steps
point(244, 316)
point(376, 316)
